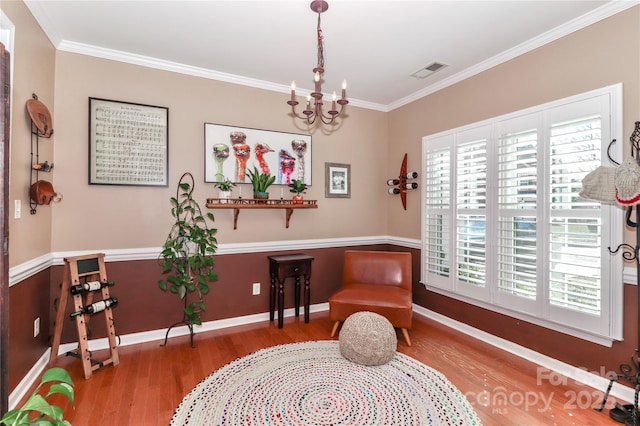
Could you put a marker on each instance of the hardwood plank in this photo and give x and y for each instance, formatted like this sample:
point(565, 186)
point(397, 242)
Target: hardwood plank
point(151, 381)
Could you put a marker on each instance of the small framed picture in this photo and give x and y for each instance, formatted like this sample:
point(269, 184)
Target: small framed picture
point(337, 180)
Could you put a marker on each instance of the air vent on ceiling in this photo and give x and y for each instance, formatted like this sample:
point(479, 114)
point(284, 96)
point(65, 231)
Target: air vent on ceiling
point(428, 70)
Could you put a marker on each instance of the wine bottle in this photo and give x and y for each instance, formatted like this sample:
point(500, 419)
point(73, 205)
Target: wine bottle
point(90, 286)
point(393, 182)
point(411, 185)
point(95, 307)
point(394, 191)
point(411, 175)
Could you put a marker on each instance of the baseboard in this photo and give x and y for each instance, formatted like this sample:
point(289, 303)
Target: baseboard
point(595, 380)
point(27, 381)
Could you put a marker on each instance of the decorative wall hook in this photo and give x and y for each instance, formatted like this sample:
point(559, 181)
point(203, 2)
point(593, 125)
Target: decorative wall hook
point(401, 184)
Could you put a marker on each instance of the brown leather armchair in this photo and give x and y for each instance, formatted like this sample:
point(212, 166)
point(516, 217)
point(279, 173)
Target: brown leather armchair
point(375, 281)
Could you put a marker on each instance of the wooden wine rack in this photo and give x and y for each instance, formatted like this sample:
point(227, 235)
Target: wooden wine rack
point(89, 267)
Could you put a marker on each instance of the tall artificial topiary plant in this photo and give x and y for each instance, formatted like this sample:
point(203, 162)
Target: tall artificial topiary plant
point(187, 254)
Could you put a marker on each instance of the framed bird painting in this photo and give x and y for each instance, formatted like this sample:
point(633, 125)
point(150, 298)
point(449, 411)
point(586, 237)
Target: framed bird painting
point(230, 152)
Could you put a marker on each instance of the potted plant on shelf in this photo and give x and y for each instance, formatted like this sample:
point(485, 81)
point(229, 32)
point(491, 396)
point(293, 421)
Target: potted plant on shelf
point(297, 187)
point(261, 183)
point(46, 414)
point(187, 254)
point(225, 189)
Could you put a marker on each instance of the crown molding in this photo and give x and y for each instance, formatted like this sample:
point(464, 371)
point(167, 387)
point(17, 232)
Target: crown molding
point(605, 11)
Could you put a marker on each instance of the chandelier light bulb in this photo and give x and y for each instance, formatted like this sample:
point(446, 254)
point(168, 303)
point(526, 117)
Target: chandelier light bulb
point(293, 91)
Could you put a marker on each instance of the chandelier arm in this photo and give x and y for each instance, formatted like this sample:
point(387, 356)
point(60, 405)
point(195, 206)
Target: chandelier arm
point(301, 117)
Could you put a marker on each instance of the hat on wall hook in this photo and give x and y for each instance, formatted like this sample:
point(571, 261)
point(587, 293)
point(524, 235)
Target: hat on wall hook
point(40, 116)
point(42, 192)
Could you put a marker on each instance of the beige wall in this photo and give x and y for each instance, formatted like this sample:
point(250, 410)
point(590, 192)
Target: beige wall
point(34, 61)
point(116, 217)
point(605, 53)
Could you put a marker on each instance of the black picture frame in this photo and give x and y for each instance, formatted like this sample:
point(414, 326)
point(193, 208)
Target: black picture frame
point(128, 143)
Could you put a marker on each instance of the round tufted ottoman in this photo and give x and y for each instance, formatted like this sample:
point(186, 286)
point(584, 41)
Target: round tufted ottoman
point(368, 338)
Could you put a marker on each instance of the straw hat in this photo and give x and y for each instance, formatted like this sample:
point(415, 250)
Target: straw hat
point(599, 185)
point(627, 182)
point(40, 117)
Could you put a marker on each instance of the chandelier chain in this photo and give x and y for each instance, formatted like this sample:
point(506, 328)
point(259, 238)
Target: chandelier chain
point(320, 45)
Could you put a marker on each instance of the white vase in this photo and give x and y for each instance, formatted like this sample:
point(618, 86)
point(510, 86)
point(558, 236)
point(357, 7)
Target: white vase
point(224, 196)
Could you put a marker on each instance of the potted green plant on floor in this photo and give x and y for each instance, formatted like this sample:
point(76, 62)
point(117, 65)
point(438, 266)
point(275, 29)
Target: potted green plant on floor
point(187, 254)
point(261, 183)
point(297, 187)
point(225, 189)
point(37, 410)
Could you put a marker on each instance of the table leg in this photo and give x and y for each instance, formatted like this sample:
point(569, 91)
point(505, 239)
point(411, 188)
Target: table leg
point(307, 297)
point(280, 303)
point(272, 297)
point(297, 295)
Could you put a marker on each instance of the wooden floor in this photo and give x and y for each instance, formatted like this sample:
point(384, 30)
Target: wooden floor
point(150, 381)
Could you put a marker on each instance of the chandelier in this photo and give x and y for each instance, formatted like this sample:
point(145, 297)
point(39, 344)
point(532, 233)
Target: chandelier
point(315, 110)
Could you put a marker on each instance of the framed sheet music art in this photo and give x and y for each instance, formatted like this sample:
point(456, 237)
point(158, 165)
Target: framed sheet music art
point(128, 143)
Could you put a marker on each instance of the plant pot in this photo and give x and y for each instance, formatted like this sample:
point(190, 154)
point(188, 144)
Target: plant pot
point(297, 199)
point(261, 196)
point(224, 196)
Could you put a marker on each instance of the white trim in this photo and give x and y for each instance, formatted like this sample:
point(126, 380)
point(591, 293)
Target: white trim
point(161, 64)
point(591, 379)
point(159, 335)
point(29, 268)
point(23, 271)
point(29, 379)
point(619, 391)
point(609, 9)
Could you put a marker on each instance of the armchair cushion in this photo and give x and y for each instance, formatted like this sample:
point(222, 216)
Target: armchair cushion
point(375, 281)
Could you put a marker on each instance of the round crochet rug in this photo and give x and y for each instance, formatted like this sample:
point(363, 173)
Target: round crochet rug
point(311, 384)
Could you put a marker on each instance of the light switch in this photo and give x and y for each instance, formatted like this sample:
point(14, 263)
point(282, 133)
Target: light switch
point(17, 211)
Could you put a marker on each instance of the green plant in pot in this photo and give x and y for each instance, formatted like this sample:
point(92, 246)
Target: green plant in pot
point(297, 187)
point(187, 254)
point(37, 410)
point(225, 189)
point(261, 183)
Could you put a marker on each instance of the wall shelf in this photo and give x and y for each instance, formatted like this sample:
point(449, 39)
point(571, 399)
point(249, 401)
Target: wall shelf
point(250, 203)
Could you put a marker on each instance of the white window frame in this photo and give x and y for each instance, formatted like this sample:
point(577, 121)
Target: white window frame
point(602, 329)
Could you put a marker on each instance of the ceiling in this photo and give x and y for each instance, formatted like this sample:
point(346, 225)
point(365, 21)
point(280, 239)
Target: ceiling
point(375, 45)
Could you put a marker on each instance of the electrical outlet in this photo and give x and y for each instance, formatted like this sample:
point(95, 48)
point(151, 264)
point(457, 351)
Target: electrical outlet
point(256, 289)
point(36, 327)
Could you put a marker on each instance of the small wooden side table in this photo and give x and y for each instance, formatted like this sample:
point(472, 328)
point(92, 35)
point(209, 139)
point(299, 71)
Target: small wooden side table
point(289, 266)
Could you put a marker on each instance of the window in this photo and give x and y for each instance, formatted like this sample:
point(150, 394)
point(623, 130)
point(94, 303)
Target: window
point(503, 224)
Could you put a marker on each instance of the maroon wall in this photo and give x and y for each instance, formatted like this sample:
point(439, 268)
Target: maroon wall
point(142, 306)
point(28, 300)
point(571, 350)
